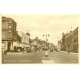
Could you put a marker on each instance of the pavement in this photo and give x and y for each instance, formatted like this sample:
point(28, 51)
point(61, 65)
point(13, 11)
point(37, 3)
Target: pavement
point(69, 52)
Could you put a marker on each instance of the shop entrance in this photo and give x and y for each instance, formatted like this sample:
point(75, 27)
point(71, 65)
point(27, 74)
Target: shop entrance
point(9, 46)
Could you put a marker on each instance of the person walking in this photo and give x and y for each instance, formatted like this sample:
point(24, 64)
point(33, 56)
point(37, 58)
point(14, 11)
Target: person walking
point(46, 55)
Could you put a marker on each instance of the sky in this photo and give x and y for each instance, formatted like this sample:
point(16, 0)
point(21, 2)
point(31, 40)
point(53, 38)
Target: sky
point(39, 24)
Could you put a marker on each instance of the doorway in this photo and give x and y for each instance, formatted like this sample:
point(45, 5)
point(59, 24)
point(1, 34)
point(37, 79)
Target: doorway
point(9, 46)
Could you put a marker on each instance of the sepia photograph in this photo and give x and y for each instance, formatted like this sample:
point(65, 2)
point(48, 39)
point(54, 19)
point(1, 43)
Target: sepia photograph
point(40, 39)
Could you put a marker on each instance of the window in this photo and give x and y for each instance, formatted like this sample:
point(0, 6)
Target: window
point(9, 27)
point(4, 25)
point(4, 34)
point(10, 34)
point(3, 44)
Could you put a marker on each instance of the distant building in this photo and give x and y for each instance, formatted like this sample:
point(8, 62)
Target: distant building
point(35, 41)
point(9, 33)
point(43, 43)
point(25, 38)
point(59, 45)
point(63, 42)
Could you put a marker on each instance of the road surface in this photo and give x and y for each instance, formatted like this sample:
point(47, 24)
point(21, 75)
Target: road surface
point(39, 58)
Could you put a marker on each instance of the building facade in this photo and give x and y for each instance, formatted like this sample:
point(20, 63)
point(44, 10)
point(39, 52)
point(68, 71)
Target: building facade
point(75, 40)
point(9, 33)
point(71, 41)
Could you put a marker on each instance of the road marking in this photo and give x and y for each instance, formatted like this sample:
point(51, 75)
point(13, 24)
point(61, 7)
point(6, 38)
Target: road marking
point(47, 60)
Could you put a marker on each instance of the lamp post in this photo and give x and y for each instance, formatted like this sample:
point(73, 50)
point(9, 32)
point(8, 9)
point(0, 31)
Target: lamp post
point(46, 35)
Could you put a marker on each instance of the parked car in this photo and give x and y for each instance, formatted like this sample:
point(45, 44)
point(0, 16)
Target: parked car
point(44, 48)
point(19, 49)
point(28, 49)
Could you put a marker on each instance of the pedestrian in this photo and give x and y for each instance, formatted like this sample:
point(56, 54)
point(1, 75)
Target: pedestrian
point(46, 55)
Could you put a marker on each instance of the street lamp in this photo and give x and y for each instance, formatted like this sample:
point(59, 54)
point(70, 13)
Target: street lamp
point(46, 35)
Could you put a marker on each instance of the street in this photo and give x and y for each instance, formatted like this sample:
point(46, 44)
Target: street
point(63, 57)
point(39, 57)
point(49, 39)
